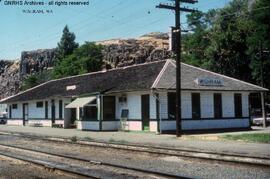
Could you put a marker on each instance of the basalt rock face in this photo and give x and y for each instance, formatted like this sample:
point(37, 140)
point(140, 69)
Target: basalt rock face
point(36, 61)
point(150, 47)
point(13, 72)
point(10, 79)
point(116, 53)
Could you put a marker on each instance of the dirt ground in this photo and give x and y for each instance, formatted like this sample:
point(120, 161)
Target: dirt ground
point(14, 169)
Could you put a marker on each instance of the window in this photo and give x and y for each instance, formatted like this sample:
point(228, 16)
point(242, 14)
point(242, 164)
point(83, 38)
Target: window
point(218, 105)
point(238, 105)
point(10, 112)
point(196, 105)
point(90, 112)
point(80, 113)
point(46, 109)
point(109, 107)
point(14, 106)
point(171, 105)
point(60, 109)
point(39, 104)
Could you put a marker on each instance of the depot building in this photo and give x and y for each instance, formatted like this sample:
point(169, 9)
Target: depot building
point(138, 97)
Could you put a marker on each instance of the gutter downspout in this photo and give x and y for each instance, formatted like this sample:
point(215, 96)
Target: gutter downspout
point(158, 107)
point(100, 110)
point(263, 110)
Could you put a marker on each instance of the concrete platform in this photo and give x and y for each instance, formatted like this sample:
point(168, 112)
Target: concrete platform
point(146, 138)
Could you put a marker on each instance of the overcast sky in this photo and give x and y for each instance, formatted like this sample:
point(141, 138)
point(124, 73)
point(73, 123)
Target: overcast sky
point(101, 20)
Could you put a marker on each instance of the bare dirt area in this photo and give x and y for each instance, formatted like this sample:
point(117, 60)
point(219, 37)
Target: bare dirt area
point(15, 169)
point(170, 164)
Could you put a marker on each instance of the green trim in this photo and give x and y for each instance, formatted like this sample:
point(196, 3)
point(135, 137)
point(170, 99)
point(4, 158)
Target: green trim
point(202, 119)
point(85, 119)
point(104, 120)
point(134, 120)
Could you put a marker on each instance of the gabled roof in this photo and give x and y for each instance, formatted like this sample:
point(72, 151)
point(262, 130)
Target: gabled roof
point(132, 78)
point(154, 75)
point(189, 75)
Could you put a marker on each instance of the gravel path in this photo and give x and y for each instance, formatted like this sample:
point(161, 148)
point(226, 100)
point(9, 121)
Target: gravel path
point(14, 169)
point(140, 138)
point(177, 165)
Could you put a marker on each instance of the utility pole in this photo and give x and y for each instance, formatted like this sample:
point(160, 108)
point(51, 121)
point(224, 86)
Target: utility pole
point(177, 9)
point(262, 84)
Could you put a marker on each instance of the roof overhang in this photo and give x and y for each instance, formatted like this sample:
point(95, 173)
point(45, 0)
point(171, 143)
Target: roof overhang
point(81, 102)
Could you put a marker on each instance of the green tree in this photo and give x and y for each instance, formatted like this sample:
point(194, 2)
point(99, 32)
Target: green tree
point(66, 45)
point(227, 52)
point(86, 58)
point(196, 42)
point(260, 39)
point(30, 82)
point(36, 79)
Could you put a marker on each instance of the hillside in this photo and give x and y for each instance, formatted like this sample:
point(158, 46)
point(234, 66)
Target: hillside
point(116, 53)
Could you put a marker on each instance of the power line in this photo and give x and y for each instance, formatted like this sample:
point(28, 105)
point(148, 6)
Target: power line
point(177, 33)
point(235, 13)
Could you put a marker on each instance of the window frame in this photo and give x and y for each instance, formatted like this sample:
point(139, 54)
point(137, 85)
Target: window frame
point(238, 103)
point(171, 106)
point(218, 111)
point(60, 105)
point(39, 104)
point(197, 108)
point(46, 110)
point(15, 106)
point(111, 105)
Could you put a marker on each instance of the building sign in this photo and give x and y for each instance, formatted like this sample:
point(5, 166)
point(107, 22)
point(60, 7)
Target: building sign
point(209, 82)
point(73, 87)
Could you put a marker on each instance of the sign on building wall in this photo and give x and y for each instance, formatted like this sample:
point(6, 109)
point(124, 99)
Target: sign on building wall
point(209, 82)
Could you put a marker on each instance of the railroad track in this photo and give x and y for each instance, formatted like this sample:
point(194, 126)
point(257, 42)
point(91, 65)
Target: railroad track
point(20, 153)
point(205, 155)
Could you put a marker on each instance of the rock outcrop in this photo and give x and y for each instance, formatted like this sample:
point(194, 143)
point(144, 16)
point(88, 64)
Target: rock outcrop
point(36, 61)
point(10, 79)
point(121, 52)
point(116, 53)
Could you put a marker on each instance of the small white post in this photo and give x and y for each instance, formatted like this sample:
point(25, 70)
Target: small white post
point(263, 110)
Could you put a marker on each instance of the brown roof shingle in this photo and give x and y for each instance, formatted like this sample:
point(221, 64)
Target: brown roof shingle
point(154, 75)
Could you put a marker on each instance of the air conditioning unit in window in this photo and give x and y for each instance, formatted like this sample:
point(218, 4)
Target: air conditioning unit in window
point(122, 99)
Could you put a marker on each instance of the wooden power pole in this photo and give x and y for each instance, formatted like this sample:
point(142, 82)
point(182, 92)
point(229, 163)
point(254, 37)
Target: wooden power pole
point(264, 116)
point(177, 46)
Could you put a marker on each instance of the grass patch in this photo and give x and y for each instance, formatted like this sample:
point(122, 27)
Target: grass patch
point(118, 141)
point(141, 132)
point(122, 142)
point(74, 139)
point(88, 139)
point(112, 140)
point(256, 137)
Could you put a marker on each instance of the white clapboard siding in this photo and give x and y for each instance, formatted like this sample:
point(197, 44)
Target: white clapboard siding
point(17, 113)
point(152, 103)
point(207, 105)
point(245, 104)
point(228, 104)
point(34, 112)
point(186, 105)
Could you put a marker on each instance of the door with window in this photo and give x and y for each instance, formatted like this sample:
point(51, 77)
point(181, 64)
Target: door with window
point(145, 112)
point(25, 113)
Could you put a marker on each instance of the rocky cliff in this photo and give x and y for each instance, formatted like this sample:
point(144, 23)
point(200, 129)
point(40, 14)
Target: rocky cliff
point(124, 52)
point(116, 53)
point(10, 80)
point(36, 61)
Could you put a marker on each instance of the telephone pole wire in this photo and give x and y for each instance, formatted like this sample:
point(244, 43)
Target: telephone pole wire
point(177, 46)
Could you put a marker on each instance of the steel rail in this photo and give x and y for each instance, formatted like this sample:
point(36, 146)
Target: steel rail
point(219, 156)
point(91, 162)
point(47, 165)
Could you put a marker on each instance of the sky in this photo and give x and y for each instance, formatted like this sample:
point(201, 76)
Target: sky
point(100, 20)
